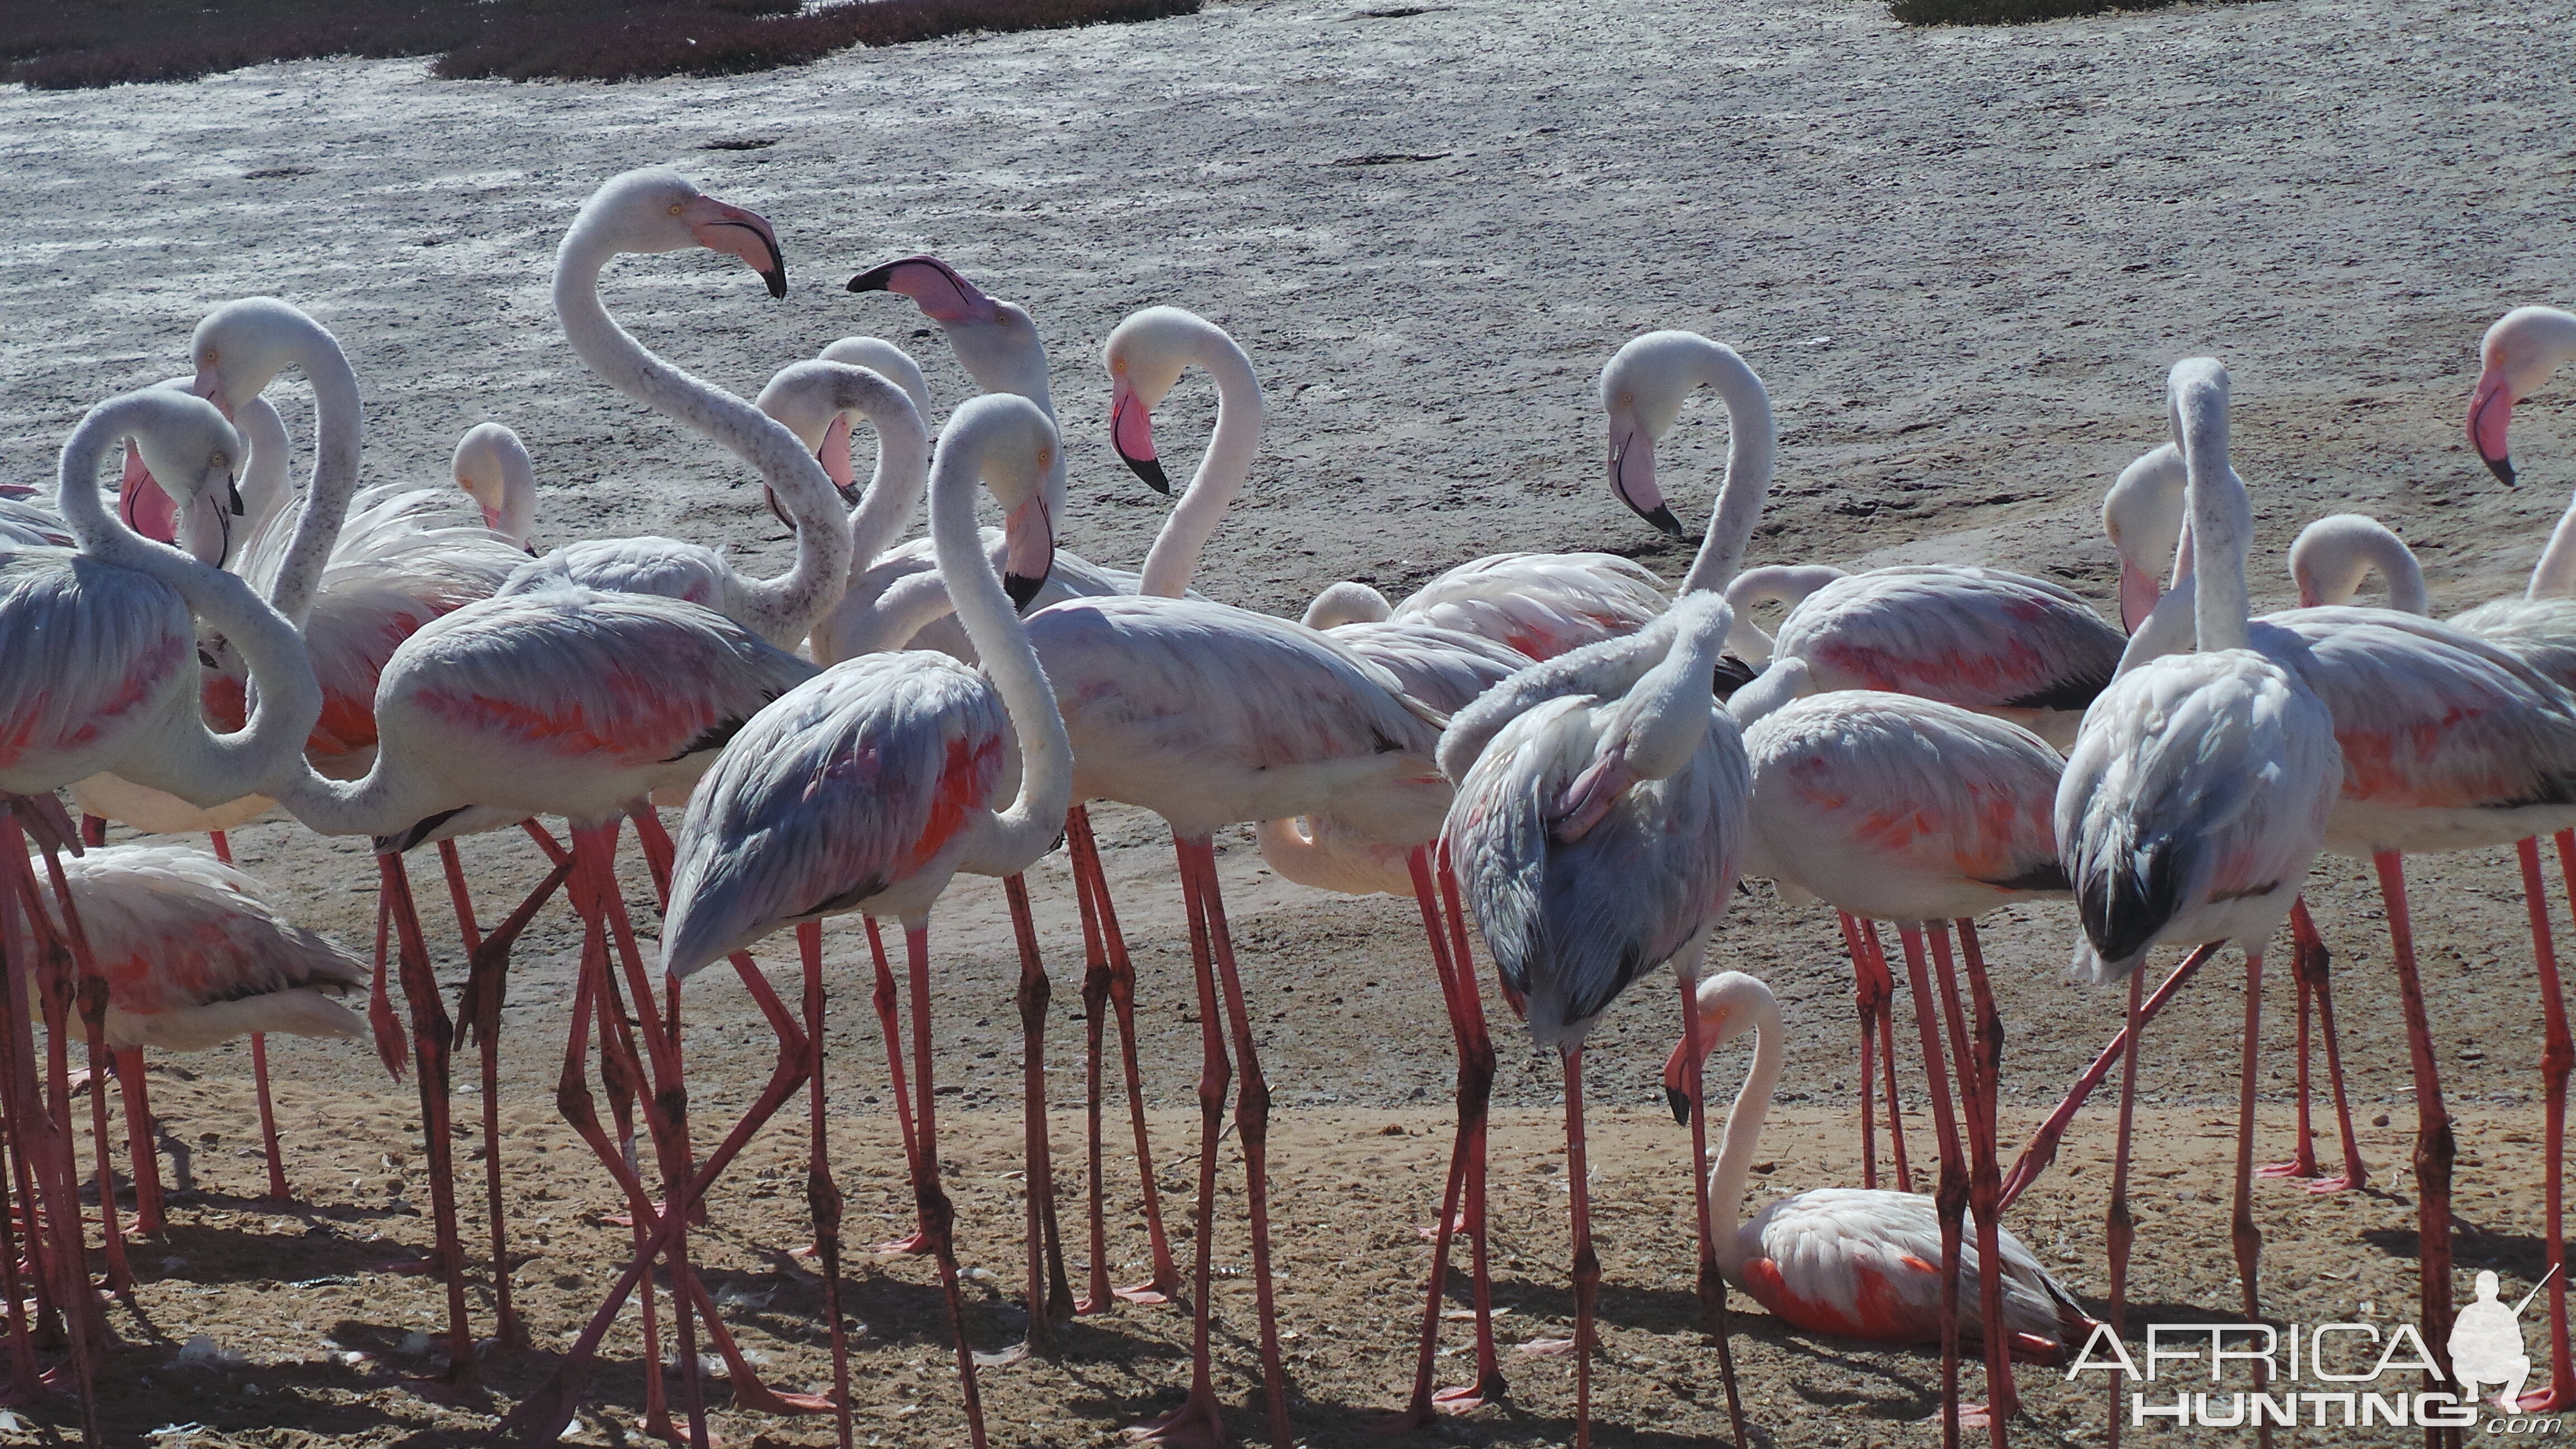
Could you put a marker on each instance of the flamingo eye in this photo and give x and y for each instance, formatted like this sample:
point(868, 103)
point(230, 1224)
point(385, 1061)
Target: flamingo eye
point(675, 208)
point(220, 461)
point(208, 360)
point(1046, 457)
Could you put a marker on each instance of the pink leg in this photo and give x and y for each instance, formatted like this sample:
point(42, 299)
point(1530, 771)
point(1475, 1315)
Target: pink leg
point(1886, 989)
point(1866, 1004)
point(1952, 1196)
point(2558, 1055)
point(2303, 1159)
point(885, 1001)
point(2246, 1238)
point(1050, 1296)
point(391, 1048)
point(93, 1013)
point(1095, 1013)
point(1475, 1084)
point(2434, 1149)
point(432, 1033)
point(1166, 1278)
point(1199, 1421)
point(1712, 1284)
point(143, 1145)
point(2314, 966)
point(1489, 1386)
point(822, 1195)
point(276, 1157)
point(1587, 1263)
point(933, 1203)
point(2120, 1228)
point(1980, 1053)
point(2041, 1150)
point(25, 1383)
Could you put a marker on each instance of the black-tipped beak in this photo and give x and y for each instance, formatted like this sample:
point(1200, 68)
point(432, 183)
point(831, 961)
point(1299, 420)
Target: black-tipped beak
point(776, 277)
point(1022, 589)
point(2502, 468)
point(232, 492)
point(850, 492)
point(1681, 1104)
point(1662, 518)
point(777, 509)
point(1151, 470)
point(872, 280)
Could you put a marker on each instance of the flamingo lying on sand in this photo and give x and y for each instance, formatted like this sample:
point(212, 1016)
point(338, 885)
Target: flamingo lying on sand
point(1597, 836)
point(494, 469)
point(195, 954)
point(1853, 1262)
point(869, 787)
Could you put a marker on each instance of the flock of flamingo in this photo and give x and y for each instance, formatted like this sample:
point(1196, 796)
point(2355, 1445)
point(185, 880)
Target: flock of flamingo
point(1555, 745)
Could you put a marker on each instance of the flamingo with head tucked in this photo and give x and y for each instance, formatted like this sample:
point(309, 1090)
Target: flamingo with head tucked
point(494, 469)
point(1597, 835)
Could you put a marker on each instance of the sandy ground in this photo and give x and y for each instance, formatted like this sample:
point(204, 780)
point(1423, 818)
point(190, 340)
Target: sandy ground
point(1962, 260)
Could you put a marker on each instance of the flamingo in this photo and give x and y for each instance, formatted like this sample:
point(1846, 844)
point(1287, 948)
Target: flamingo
point(869, 787)
point(1998, 643)
point(196, 953)
point(1207, 715)
point(2450, 742)
point(2515, 360)
point(103, 637)
point(2197, 797)
point(494, 469)
point(1892, 807)
point(1597, 837)
point(1853, 1262)
point(780, 610)
point(580, 703)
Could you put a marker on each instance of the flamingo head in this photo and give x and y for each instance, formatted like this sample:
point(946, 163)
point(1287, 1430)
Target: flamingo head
point(2142, 515)
point(2515, 359)
point(1347, 602)
point(996, 341)
point(1729, 1004)
point(241, 346)
point(1017, 455)
point(655, 209)
point(1642, 389)
point(188, 456)
point(1145, 357)
point(493, 468)
point(815, 400)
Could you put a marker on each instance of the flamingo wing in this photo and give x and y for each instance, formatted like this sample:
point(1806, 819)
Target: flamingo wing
point(1541, 604)
point(1444, 668)
point(1903, 808)
point(95, 653)
point(2194, 803)
point(2539, 632)
point(665, 567)
point(850, 784)
point(1572, 923)
point(1974, 637)
point(27, 525)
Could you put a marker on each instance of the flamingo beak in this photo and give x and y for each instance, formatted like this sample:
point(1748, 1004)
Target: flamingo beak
point(777, 509)
point(1131, 430)
point(2138, 594)
point(739, 233)
point(2490, 418)
point(1676, 1068)
point(1029, 552)
point(1632, 472)
point(142, 503)
point(933, 285)
point(834, 455)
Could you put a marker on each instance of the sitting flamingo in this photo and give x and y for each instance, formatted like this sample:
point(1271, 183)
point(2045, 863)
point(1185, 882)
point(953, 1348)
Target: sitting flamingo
point(1849, 1261)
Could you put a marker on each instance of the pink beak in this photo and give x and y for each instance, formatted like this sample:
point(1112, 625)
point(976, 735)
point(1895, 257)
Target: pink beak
point(2490, 417)
point(835, 457)
point(1029, 551)
point(1131, 429)
point(934, 286)
point(1632, 473)
point(143, 505)
point(2138, 594)
point(739, 233)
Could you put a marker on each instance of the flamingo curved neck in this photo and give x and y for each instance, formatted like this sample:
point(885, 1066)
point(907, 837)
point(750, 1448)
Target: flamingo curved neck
point(518, 518)
point(895, 488)
point(1744, 1136)
point(2333, 556)
point(1667, 713)
point(1019, 834)
point(203, 768)
point(1752, 446)
point(2554, 577)
point(338, 427)
point(1223, 470)
point(1785, 584)
point(795, 600)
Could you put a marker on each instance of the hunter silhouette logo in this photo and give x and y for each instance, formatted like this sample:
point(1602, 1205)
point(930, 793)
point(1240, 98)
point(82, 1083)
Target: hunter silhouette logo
point(2486, 1343)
